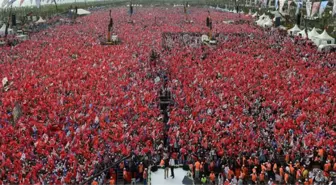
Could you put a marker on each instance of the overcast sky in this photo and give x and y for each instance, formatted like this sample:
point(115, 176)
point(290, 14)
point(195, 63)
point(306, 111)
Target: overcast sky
point(28, 2)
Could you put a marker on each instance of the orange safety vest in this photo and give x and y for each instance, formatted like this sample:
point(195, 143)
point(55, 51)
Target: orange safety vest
point(327, 167)
point(321, 152)
point(112, 182)
point(262, 177)
point(230, 174)
point(237, 172)
point(311, 181)
point(162, 162)
point(94, 183)
point(212, 177)
point(141, 168)
point(197, 166)
point(254, 177)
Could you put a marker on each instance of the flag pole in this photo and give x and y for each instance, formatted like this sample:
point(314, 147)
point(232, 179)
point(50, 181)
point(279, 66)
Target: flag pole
point(10, 13)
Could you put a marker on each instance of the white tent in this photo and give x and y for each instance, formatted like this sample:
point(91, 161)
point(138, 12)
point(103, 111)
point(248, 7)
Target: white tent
point(312, 33)
point(324, 38)
point(263, 16)
point(262, 20)
point(40, 21)
point(268, 23)
point(83, 12)
point(302, 34)
point(3, 30)
point(294, 30)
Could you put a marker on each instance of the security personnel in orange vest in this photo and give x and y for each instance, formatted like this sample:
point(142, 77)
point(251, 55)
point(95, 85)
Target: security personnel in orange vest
point(230, 174)
point(254, 178)
point(327, 166)
point(125, 175)
point(112, 181)
point(212, 177)
point(94, 182)
point(245, 169)
point(262, 177)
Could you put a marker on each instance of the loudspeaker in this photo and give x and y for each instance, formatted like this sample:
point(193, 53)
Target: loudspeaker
point(13, 20)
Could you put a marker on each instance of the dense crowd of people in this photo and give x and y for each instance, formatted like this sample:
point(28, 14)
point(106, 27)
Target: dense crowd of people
point(71, 104)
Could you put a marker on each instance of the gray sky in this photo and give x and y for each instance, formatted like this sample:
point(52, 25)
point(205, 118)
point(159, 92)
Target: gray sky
point(27, 2)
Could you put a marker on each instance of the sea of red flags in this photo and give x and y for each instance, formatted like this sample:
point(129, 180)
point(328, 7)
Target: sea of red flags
point(256, 89)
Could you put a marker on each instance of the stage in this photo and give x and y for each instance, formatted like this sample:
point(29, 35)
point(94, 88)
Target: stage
point(158, 177)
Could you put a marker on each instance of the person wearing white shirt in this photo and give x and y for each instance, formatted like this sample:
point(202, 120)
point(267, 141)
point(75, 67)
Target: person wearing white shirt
point(220, 178)
point(172, 164)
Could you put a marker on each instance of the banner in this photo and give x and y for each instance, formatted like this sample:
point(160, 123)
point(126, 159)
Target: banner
point(334, 9)
point(282, 3)
point(308, 8)
point(289, 3)
point(299, 4)
point(322, 7)
point(276, 4)
point(21, 2)
point(38, 3)
point(316, 6)
point(10, 2)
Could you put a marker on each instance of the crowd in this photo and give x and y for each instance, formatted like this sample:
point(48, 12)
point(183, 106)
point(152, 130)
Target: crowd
point(254, 97)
